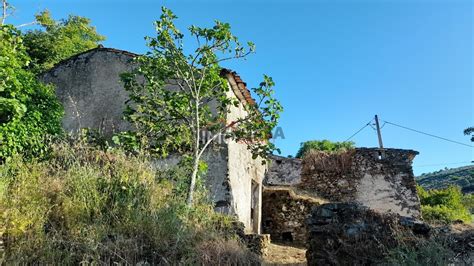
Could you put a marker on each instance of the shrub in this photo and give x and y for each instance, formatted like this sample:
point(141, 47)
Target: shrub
point(468, 201)
point(339, 162)
point(443, 205)
point(29, 110)
point(323, 145)
point(85, 205)
point(426, 252)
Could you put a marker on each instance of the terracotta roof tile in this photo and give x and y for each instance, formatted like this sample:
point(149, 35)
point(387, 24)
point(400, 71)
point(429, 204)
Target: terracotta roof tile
point(240, 87)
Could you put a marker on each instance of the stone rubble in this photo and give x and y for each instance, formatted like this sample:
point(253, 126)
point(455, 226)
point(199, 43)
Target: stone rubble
point(351, 234)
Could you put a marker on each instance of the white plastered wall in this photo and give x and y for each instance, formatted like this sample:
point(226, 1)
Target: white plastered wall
point(242, 170)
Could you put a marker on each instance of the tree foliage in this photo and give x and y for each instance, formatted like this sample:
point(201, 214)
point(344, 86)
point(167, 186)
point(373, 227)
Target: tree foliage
point(444, 205)
point(58, 40)
point(29, 110)
point(469, 131)
point(177, 96)
point(323, 145)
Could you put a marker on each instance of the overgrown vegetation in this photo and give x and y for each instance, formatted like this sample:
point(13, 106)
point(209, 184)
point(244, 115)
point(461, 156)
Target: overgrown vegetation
point(425, 252)
point(29, 110)
point(316, 160)
point(323, 145)
point(85, 205)
point(445, 205)
point(73, 203)
point(446, 245)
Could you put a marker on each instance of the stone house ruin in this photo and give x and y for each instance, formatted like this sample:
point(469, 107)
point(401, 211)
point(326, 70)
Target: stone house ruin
point(93, 96)
point(384, 183)
point(89, 87)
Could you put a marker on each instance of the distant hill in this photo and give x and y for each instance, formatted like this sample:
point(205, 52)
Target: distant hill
point(461, 176)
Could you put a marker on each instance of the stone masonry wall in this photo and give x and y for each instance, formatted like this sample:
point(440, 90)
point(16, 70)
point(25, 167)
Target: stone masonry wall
point(284, 215)
point(89, 88)
point(381, 181)
point(283, 171)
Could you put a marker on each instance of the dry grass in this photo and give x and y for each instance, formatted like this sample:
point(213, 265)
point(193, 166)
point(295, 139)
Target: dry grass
point(339, 162)
point(279, 254)
point(88, 206)
point(299, 194)
point(225, 252)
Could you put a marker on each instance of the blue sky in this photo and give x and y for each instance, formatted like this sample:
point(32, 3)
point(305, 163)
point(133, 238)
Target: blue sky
point(335, 63)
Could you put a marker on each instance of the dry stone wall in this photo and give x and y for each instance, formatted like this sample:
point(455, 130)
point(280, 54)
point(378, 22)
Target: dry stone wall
point(351, 234)
point(380, 180)
point(258, 244)
point(284, 215)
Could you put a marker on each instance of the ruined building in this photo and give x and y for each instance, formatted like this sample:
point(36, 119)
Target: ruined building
point(89, 87)
point(383, 182)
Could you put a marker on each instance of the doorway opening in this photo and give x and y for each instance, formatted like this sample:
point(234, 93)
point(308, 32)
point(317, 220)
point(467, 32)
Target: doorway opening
point(287, 237)
point(254, 207)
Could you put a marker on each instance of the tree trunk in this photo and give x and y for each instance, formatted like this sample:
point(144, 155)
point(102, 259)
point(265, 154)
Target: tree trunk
point(192, 185)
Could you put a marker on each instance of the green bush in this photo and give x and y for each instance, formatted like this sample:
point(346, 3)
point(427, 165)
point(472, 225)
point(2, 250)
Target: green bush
point(443, 205)
point(426, 252)
point(323, 145)
point(84, 205)
point(29, 110)
point(468, 201)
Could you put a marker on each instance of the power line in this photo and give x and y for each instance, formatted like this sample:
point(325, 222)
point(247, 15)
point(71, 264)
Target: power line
point(438, 164)
point(372, 126)
point(366, 125)
point(428, 134)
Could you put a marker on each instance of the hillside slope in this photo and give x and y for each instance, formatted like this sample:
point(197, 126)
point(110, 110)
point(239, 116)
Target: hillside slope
point(461, 176)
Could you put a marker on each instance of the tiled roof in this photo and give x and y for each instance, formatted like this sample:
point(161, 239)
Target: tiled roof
point(238, 86)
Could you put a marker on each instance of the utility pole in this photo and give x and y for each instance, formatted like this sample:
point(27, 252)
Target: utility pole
point(379, 134)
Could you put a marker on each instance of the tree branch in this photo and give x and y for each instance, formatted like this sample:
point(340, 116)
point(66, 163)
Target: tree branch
point(27, 24)
point(4, 11)
point(222, 130)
